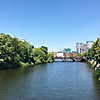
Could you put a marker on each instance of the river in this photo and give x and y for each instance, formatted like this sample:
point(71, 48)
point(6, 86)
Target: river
point(52, 81)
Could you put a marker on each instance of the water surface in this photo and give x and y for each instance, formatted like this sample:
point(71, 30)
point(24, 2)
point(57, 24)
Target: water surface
point(52, 81)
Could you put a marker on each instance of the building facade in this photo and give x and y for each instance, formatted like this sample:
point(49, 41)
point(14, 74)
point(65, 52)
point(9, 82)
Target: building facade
point(66, 52)
point(78, 47)
point(89, 44)
point(60, 54)
point(57, 54)
point(74, 53)
point(82, 48)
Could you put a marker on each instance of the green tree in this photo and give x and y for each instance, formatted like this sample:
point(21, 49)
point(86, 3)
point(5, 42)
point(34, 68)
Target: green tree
point(18, 53)
point(50, 57)
point(39, 54)
point(92, 50)
point(97, 50)
point(44, 49)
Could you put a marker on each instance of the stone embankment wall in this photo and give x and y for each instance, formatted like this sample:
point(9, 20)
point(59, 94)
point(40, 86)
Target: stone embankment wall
point(96, 66)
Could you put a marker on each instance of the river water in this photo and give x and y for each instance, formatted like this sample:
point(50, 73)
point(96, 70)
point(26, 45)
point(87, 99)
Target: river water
point(52, 81)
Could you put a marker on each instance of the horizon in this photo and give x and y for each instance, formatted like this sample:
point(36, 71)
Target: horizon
point(61, 49)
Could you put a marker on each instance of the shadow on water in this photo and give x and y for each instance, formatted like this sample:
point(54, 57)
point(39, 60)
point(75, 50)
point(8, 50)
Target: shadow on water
point(9, 75)
point(96, 83)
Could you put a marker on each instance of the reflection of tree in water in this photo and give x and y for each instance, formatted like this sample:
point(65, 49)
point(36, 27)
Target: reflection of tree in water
point(96, 83)
point(9, 75)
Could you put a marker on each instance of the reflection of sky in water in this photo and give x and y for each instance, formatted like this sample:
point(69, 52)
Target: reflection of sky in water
point(58, 60)
point(69, 60)
point(62, 60)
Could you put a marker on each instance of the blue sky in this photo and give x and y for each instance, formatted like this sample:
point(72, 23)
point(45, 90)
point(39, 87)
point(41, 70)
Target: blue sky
point(52, 23)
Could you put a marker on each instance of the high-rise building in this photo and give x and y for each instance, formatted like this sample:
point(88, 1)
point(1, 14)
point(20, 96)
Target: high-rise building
point(89, 44)
point(78, 47)
point(82, 48)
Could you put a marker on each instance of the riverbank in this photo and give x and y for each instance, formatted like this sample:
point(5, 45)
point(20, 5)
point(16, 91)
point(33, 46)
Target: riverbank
point(12, 65)
point(96, 66)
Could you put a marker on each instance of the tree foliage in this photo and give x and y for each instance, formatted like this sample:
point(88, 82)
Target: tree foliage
point(18, 53)
point(94, 51)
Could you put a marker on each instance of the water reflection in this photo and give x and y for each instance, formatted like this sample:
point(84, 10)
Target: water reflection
point(69, 60)
point(55, 81)
point(58, 60)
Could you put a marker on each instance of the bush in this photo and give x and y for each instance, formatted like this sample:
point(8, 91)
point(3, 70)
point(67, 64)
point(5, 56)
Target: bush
point(38, 61)
point(32, 63)
point(49, 60)
point(1, 60)
point(99, 78)
point(27, 64)
point(22, 63)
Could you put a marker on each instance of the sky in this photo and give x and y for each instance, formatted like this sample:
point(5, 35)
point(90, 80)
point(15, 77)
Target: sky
point(52, 23)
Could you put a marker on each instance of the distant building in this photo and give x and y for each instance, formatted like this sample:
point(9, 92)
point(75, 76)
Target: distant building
point(54, 53)
point(78, 47)
point(59, 54)
point(89, 44)
point(82, 48)
point(74, 52)
point(67, 52)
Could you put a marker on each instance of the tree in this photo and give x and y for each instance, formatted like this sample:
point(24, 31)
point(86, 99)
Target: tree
point(50, 57)
point(16, 53)
point(44, 49)
point(39, 54)
point(97, 49)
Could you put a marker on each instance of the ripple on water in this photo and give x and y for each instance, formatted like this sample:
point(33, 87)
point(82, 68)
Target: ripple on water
point(54, 81)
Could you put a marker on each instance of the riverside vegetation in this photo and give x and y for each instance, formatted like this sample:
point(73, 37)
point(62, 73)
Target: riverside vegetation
point(15, 53)
point(93, 57)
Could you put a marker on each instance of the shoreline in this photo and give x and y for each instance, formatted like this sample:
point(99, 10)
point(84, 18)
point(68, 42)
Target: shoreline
point(96, 66)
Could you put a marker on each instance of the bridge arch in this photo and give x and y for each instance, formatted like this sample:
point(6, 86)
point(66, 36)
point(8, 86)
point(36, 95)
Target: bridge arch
point(65, 59)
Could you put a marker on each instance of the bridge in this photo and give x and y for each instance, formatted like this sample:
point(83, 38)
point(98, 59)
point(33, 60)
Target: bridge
point(64, 59)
